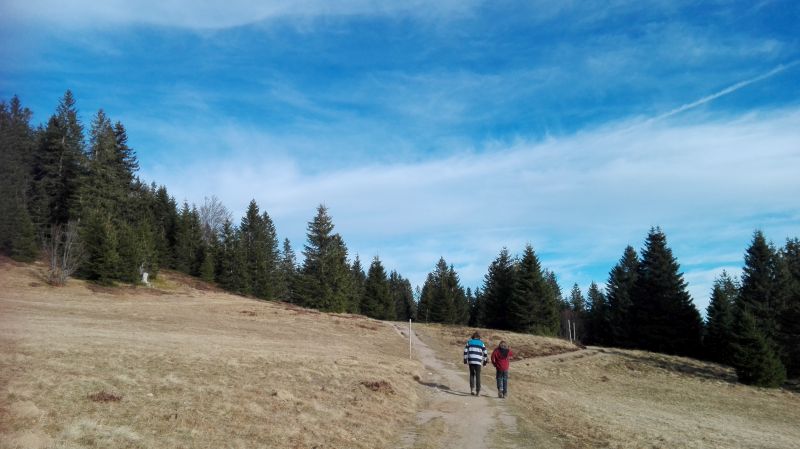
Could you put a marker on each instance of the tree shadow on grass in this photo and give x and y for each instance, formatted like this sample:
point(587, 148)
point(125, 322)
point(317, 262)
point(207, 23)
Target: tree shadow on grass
point(689, 367)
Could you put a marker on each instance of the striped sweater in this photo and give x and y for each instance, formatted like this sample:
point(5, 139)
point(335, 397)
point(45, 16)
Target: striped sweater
point(475, 353)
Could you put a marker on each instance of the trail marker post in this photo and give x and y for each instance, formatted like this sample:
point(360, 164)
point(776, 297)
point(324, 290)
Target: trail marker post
point(569, 330)
point(409, 338)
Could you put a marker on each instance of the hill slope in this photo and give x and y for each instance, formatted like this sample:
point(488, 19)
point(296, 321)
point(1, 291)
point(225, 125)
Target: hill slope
point(82, 366)
point(184, 365)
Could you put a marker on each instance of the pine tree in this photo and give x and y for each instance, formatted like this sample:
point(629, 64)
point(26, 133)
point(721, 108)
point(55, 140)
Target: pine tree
point(665, 319)
point(441, 296)
point(101, 245)
point(17, 231)
point(325, 282)
point(377, 301)
point(498, 288)
point(753, 356)
point(598, 318)
point(460, 304)
point(402, 296)
point(207, 266)
point(788, 334)
point(287, 273)
point(621, 281)
point(103, 192)
point(577, 303)
point(477, 309)
point(165, 225)
point(359, 281)
point(759, 292)
point(719, 322)
point(575, 312)
point(532, 307)
point(226, 260)
point(58, 167)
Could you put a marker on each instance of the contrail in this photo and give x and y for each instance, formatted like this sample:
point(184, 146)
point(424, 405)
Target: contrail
point(723, 92)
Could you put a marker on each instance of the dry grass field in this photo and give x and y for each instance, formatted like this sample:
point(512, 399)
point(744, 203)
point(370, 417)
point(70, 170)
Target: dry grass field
point(177, 367)
point(614, 398)
point(182, 365)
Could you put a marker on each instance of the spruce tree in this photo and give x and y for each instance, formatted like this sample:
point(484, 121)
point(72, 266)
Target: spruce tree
point(665, 319)
point(165, 225)
point(753, 355)
point(402, 296)
point(101, 245)
point(287, 273)
point(532, 307)
point(598, 318)
point(223, 270)
point(788, 333)
point(377, 301)
point(359, 281)
point(498, 288)
point(619, 288)
point(188, 240)
point(477, 309)
point(577, 303)
point(17, 231)
point(325, 282)
point(759, 292)
point(719, 320)
point(58, 167)
point(460, 304)
point(442, 299)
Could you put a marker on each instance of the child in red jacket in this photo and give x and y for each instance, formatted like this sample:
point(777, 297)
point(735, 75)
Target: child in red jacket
point(501, 356)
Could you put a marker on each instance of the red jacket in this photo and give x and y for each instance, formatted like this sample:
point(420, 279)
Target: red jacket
point(500, 362)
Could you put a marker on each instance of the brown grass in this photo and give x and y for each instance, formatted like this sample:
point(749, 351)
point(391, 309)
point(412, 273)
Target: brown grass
point(630, 399)
point(192, 369)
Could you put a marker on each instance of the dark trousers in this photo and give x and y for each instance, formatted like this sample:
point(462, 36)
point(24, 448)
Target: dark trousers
point(475, 377)
point(502, 381)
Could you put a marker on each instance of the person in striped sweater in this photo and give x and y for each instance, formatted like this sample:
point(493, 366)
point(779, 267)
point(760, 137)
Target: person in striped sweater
point(475, 356)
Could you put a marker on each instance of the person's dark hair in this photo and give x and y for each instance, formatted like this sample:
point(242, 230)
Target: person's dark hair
point(476, 335)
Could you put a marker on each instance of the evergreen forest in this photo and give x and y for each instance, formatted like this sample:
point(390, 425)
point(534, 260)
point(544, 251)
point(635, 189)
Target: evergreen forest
point(70, 196)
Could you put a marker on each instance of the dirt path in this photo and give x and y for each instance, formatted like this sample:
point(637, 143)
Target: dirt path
point(452, 417)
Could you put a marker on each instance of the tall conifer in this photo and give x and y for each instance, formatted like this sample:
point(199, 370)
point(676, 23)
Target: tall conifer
point(619, 288)
point(665, 319)
point(719, 320)
point(498, 288)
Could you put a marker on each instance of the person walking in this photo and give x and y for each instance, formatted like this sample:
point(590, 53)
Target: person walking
point(501, 358)
point(475, 356)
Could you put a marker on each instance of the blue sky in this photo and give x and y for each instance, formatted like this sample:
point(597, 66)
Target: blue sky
point(449, 128)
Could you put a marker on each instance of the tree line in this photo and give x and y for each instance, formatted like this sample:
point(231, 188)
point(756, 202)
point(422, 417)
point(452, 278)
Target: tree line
point(78, 198)
point(81, 201)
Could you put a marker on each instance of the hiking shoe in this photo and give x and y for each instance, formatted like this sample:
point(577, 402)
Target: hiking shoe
point(500, 394)
point(472, 392)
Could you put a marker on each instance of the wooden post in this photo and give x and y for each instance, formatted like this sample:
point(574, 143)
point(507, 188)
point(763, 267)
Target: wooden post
point(569, 330)
point(409, 338)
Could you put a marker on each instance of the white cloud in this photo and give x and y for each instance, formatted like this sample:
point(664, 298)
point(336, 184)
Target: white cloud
point(579, 200)
point(206, 14)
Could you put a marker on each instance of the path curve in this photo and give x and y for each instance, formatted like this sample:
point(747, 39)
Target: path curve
point(467, 419)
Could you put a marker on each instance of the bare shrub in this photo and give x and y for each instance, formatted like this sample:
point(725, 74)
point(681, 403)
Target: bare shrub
point(64, 252)
point(380, 386)
point(213, 214)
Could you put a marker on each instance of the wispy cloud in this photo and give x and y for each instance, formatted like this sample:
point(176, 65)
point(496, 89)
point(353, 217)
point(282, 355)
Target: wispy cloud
point(578, 199)
point(215, 15)
point(727, 91)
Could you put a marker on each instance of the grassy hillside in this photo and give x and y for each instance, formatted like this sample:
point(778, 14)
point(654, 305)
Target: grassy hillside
point(601, 397)
point(182, 365)
point(178, 367)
